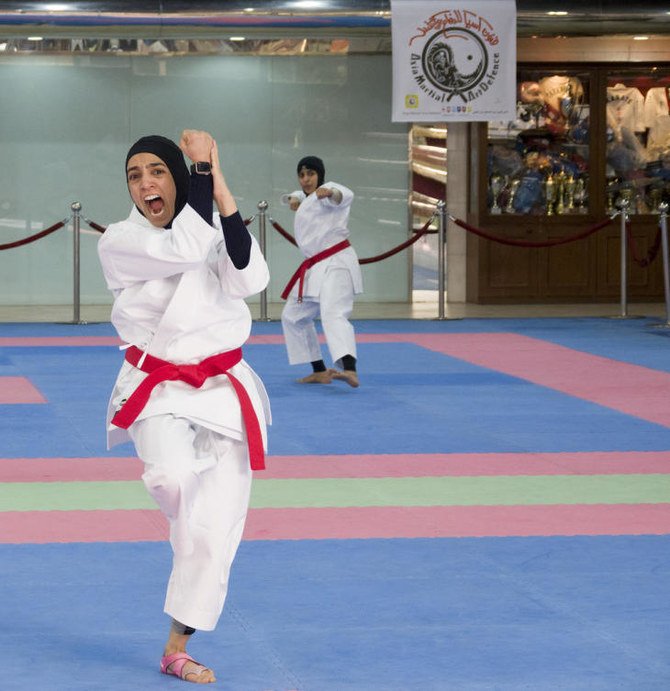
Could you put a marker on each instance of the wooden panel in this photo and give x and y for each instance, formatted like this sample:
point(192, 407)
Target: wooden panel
point(567, 269)
point(507, 271)
point(510, 267)
point(645, 281)
point(609, 261)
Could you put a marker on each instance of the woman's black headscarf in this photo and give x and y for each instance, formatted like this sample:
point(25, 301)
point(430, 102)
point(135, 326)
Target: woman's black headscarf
point(313, 163)
point(173, 158)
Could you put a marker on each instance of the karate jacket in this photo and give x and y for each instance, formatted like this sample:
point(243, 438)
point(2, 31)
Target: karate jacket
point(178, 296)
point(320, 224)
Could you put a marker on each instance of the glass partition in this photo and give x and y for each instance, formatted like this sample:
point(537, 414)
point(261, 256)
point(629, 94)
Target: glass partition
point(68, 120)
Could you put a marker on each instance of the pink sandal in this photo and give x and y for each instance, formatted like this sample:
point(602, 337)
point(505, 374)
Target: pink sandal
point(174, 665)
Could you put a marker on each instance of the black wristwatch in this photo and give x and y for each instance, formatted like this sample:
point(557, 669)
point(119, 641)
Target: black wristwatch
point(202, 168)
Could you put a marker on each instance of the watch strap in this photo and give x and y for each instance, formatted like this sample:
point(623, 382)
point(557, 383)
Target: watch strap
point(202, 168)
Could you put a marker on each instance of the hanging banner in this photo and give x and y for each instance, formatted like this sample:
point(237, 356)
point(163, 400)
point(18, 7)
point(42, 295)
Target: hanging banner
point(453, 61)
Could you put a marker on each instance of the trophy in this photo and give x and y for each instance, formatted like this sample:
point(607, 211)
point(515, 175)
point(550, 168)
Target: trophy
point(640, 203)
point(611, 190)
point(514, 186)
point(570, 186)
point(549, 192)
point(560, 193)
point(626, 197)
point(496, 188)
point(655, 196)
point(580, 195)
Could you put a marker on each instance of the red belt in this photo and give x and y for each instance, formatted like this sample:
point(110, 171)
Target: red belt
point(299, 275)
point(195, 375)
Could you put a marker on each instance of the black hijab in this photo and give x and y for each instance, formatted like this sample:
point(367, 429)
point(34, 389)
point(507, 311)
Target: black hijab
point(171, 155)
point(313, 163)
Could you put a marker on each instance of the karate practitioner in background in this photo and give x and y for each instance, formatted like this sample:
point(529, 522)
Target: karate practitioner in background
point(325, 283)
point(193, 407)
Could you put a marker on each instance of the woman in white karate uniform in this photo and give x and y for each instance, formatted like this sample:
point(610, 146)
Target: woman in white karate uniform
point(196, 412)
point(326, 282)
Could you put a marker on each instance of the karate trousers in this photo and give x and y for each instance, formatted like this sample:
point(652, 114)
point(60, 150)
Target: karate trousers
point(201, 481)
point(334, 305)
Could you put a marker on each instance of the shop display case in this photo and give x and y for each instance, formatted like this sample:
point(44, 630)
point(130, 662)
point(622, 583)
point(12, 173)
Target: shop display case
point(584, 140)
point(637, 155)
point(539, 163)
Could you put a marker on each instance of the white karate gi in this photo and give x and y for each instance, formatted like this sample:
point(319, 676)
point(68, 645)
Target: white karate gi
point(657, 119)
point(179, 297)
point(624, 109)
point(330, 285)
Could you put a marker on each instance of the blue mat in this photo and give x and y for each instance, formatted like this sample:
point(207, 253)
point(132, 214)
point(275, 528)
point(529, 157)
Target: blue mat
point(419, 401)
point(503, 614)
point(393, 615)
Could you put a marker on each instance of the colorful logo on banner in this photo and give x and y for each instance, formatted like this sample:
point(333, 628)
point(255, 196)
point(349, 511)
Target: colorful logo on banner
point(454, 61)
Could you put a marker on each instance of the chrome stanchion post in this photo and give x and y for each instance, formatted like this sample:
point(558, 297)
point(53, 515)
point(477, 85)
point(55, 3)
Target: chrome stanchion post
point(624, 258)
point(441, 257)
point(262, 241)
point(663, 221)
point(76, 237)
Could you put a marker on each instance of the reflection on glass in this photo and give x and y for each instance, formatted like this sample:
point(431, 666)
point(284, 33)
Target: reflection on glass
point(637, 114)
point(428, 165)
point(542, 155)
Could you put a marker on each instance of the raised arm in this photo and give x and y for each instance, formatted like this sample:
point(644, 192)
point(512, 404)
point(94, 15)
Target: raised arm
point(200, 146)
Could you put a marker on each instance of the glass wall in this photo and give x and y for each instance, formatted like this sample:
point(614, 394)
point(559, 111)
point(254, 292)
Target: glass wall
point(66, 121)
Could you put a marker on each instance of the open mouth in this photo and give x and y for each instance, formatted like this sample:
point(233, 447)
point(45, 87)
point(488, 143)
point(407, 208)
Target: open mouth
point(155, 204)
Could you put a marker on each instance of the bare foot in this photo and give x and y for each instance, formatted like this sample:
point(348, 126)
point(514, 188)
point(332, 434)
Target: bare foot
point(177, 662)
point(347, 375)
point(317, 378)
point(181, 664)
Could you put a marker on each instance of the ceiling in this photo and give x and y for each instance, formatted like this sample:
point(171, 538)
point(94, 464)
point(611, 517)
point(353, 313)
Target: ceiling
point(307, 18)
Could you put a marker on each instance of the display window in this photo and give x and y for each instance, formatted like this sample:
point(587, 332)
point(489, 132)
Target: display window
point(539, 163)
point(637, 160)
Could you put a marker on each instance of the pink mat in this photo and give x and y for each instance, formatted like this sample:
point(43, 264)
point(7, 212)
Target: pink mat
point(29, 341)
point(457, 521)
point(41, 527)
point(631, 389)
point(18, 390)
point(101, 469)
point(94, 469)
point(466, 464)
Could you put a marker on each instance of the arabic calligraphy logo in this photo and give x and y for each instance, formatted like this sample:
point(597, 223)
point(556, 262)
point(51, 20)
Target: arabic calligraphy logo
point(455, 61)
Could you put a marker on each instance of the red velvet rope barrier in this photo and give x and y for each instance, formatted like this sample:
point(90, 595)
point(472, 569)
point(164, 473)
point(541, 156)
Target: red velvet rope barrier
point(651, 254)
point(32, 238)
point(95, 226)
point(404, 245)
point(284, 233)
point(369, 260)
point(525, 243)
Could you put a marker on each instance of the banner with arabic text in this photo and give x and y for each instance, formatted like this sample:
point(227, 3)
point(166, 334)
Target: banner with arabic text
point(453, 61)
